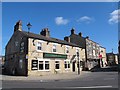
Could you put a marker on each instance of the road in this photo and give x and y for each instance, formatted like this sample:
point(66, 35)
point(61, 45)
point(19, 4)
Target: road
point(91, 80)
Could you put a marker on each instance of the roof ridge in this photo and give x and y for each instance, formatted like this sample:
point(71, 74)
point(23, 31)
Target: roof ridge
point(51, 39)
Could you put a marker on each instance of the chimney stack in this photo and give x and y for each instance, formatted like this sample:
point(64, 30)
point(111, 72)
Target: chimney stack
point(80, 34)
point(45, 32)
point(87, 37)
point(72, 31)
point(18, 26)
point(67, 39)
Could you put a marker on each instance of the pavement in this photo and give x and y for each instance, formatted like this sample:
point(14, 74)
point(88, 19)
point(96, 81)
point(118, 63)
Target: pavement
point(62, 76)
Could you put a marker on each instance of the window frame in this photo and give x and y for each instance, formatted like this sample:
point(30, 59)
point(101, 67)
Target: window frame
point(54, 47)
point(39, 44)
point(57, 63)
point(44, 64)
point(68, 64)
point(32, 66)
point(22, 47)
point(67, 49)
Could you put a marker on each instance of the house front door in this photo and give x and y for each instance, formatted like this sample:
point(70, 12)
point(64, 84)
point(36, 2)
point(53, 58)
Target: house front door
point(73, 66)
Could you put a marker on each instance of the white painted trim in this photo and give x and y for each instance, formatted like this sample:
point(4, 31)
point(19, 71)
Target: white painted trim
point(55, 43)
point(37, 46)
point(67, 46)
point(56, 48)
point(42, 59)
point(67, 64)
point(59, 65)
point(41, 41)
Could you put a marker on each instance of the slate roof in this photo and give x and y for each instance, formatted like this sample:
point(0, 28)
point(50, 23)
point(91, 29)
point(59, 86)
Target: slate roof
point(49, 39)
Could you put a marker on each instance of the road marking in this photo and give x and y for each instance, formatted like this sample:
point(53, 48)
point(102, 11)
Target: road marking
point(109, 78)
point(88, 87)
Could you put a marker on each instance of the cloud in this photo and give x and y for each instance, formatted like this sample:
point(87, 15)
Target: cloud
point(85, 19)
point(61, 21)
point(114, 17)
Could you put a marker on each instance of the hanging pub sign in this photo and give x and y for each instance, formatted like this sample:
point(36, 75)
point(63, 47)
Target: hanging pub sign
point(100, 56)
point(34, 64)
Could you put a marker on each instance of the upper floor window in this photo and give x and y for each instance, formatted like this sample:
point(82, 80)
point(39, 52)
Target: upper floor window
point(22, 47)
point(67, 49)
point(77, 52)
point(39, 46)
point(16, 43)
point(54, 48)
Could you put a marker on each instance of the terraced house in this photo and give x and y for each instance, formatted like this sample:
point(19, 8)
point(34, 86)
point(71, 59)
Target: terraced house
point(93, 50)
point(39, 54)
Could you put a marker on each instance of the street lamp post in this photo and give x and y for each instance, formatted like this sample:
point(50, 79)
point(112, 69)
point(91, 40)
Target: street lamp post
point(78, 63)
point(29, 26)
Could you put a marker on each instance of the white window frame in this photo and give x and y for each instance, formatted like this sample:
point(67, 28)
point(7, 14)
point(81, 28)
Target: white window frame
point(54, 47)
point(39, 44)
point(44, 64)
point(68, 62)
point(59, 65)
point(67, 48)
point(77, 50)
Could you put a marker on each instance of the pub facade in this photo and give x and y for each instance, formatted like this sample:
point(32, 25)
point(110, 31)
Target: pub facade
point(39, 54)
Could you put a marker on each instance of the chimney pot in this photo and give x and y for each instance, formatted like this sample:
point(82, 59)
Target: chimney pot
point(45, 32)
point(73, 31)
point(80, 34)
point(18, 26)
point(67, 39)
point(87, 37)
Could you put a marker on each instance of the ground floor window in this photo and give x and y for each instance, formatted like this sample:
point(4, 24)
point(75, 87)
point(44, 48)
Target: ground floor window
point(57, 64)
point(44, 65)
point(34, 64)
point(67, 64)
point(40, 64)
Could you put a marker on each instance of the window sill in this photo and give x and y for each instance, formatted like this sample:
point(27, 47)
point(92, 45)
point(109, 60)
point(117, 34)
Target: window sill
point(39, 50)
point(57, 69)
point(44, 70)
point(67, 69)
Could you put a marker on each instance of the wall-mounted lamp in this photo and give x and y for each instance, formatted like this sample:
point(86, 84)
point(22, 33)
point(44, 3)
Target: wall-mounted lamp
point(47, 42)
point(61, 45)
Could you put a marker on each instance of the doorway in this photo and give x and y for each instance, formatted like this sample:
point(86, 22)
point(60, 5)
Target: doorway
point(73, 66)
